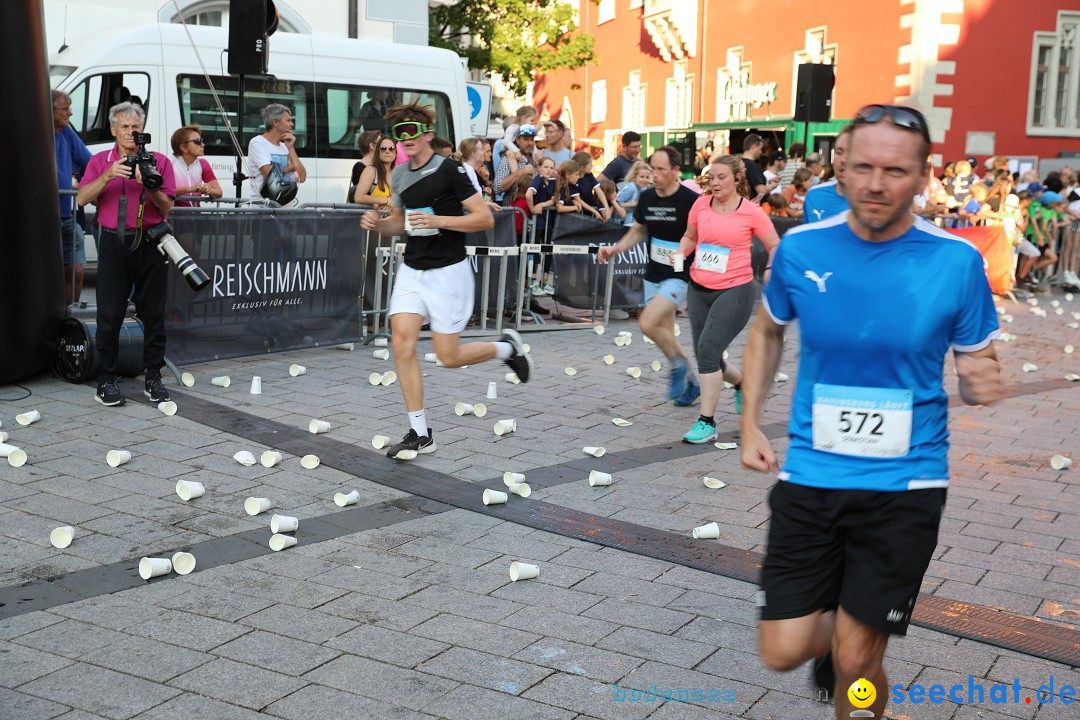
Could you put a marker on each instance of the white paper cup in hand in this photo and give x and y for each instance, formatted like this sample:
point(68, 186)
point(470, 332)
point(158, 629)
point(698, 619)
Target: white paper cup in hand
point(270, 458)
point(28, 418)
point(594, 451)
point(283, 524)
point(168, 407)
point(343, 499)
point(317, 426)
point(495, 497)
point(256, 506)
point(221, 381)
point(183, 563)
point(189, 489)
point(677, 260)
point(521, 489)
point(505, 426)
point(116, 458)
point(634, 372)
point(280, 542)
point(245, 458)
point(310, 462)
point(380, 441)
point(61, 537)
point(509, 478)
point(597, 478)
point(256, 385)
point(523, 571)
point(297, 370)
point(381, 354)
point(153, 567)
point(1060, 462)
point(707, 532)
point(388, 378)
point(188, 379)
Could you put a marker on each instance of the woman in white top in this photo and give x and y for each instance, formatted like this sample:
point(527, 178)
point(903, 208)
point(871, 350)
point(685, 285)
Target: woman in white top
point(193, 173)
point(276, 146)
point(470, 154)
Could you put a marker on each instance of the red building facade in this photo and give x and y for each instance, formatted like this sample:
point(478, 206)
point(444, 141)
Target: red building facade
point(994, 76)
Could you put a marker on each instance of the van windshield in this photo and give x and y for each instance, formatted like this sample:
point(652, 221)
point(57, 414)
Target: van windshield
point(58, 74)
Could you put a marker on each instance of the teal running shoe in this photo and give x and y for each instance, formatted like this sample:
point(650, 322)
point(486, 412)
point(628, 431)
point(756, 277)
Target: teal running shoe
point(701, 433)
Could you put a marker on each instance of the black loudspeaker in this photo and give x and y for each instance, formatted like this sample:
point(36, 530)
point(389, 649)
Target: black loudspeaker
point(813, 95)
point(251, 23)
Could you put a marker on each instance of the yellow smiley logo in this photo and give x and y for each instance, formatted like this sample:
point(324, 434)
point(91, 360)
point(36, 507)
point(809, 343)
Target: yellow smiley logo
point(862, 693)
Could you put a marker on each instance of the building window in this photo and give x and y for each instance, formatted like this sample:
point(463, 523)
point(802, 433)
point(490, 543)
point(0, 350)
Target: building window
point(680, 97)
point(606, 11)
point(598, 111)
point(635, 4)
point(633, 102)
point(1054, 93)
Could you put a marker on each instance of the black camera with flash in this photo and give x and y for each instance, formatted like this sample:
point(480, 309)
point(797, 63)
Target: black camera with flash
point(145, 161)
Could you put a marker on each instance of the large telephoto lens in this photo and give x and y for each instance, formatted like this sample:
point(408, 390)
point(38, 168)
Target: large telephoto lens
point(151, 178)
point(194, 275)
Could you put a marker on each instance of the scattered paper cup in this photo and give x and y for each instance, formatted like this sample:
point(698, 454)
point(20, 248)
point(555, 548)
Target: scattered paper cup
point(430, 357)
point(345, 346)
point(16, 457)
point(570, 371)
point(1069, 349)
point(609, 359)
point(655, 365)
point(1059, 311)
point(648, 340)
point(595, 451)
point(1033, 302)
point(620, 341)
point(183, 563)
point(523, 571)
point(493, 390)
point(310, 462)
point(599, 329)
point(256, 506)
point(189, 489)
point(28, 418)
point(505, 426)
point(116, 458)
point(297, 370)
point(380, 441)
point(511, 478)
point(61, 537)
point(405, 455)
point(621, 422)
point(256, 385)
point(4, 437)
point(317, 426)
point(168, 407)
point(521, 489)
point(153, 567)
point(1029, 367)
point(270, 458)
point(381, 354)
point(479, 410)
point(1076, 316)
point(343, 499)
point(388, 378)
point(1007, 318)
point(375, 378)
point(495, 497)
point(188, 379)
point(221, 381)
point(714, 483)
point(780, 377)
point(707, 532)
point(280, 542)
point(380, 342)
point(725, 445)
point(1060, 462)
point(597, 478)
point(526, 347)
point(244, 458)
point(634, 372)
point(678, 330)
point(1072, 377)
point(283, 524)
point(1069, 297)
point(1055, 303)
point(512, 378)
point(463, 409)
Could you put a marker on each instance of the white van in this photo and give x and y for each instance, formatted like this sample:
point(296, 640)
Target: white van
point(335, 87)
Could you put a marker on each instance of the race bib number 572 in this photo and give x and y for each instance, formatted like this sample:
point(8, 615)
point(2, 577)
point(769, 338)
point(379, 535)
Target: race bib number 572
point(862, 421)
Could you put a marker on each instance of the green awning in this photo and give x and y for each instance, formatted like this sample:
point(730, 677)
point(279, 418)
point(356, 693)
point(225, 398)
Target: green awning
point(736, 124)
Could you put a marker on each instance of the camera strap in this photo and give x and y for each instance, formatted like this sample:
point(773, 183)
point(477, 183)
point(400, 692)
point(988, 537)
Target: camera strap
point(121, 219)
point(139, 220)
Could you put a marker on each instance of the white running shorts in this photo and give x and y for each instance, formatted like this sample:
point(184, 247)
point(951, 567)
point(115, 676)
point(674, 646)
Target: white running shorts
point(443, 296)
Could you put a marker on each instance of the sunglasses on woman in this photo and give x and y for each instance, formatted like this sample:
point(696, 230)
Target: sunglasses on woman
point(387, 148)
point(197, 141)
point(409, 130)
point(904, 117)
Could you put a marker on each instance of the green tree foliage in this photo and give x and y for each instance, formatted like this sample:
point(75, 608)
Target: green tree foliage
point(515, 38)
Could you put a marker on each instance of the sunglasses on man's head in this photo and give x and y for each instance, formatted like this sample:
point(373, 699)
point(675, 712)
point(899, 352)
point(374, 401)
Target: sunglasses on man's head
point(409, 130)
point(904, 117)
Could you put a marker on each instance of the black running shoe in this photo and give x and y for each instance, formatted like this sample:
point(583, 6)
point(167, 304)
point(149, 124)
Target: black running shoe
point(108, 392)
point(823, 678)
point(519, 361)
point(412, 445)
point(155, 390)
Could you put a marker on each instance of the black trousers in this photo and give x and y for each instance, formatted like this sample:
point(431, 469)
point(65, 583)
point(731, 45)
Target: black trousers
point(118, 270)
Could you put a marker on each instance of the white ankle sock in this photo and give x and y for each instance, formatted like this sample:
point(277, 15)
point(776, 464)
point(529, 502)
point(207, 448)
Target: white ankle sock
point(418, 421)
point(503, 350)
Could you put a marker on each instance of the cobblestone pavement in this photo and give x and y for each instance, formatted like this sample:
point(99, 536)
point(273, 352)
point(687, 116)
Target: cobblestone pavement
point(404, 608)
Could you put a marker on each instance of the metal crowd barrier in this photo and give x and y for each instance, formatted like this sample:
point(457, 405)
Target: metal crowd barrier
point(542, 249)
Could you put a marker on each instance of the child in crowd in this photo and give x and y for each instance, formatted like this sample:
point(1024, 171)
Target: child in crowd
point(541, 196)
point(525, 115)
point(566, 187)
point(638, 178)
point(776, 205)
point(610, 192)
point(974, 208)
point(795, 193)
point(589, 200)
point(516, 198)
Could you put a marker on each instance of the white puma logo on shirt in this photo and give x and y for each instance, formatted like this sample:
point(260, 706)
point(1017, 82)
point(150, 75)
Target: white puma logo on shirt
point(819, 213)
point(811, 275)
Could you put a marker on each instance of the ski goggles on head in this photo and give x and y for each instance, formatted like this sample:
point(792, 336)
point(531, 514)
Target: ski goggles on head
point(409, 130)
point(907, 118)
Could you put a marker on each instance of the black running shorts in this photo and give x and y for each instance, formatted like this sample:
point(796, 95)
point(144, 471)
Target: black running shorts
point(863, 550)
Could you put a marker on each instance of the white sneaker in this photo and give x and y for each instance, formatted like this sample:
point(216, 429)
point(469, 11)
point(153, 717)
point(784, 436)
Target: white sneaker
point(536, 290)
point(549, 289)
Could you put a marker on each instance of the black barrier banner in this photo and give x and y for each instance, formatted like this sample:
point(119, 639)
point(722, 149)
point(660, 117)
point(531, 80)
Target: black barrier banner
point(579, 275)
point(278, 281)
point(503, 234)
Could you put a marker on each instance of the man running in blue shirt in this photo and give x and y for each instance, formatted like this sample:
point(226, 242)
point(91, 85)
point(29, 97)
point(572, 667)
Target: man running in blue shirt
point(829, 198)
point(860, 495)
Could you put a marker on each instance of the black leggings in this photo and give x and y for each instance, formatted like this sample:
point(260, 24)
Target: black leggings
point(716, 317)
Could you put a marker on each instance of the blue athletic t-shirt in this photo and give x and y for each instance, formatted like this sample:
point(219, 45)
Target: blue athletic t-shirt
point(869, 411)
point(823, 201)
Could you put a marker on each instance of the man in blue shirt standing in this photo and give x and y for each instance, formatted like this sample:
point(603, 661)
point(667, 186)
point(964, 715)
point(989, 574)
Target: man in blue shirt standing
point(855, 513)
point(829, 198)
point(71, 159)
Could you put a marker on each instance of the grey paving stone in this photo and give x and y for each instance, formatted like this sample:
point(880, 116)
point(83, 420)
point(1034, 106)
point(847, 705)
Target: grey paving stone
point(360, 608)
point(313, 626)
point(380, 681)
point(734, 697)
point(70, 638)
point(467, 702)
point(13, 627)
point(500, 542)
point(630, 589)
point(481, 581)
point(381, 561)
point(564, 576)
point(776, 704)
point(655, 646)
point(554, 623)
point(444, 552)
point(478, 635)
point(486, 670)
point(540, 594)
point(748, 668)
point(639, 615)
point(389, 646)
point(459, 602)
point(190, 631)
point(316, 701)
point(99, 691)
point(23, 664)
point(580, 694)
point(238, 684)
point(613, 561)
point(577, 659)
point(305, 594)
point(148, 659)
point(214, 603)
point(188, 706)
point(19, 706)
point(361, 579)
point(683, 711)
point(276, 652)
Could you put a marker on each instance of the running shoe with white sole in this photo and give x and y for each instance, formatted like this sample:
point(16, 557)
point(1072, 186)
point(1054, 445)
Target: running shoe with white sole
point(412, 445)
point(519, 361)
point(701, 433)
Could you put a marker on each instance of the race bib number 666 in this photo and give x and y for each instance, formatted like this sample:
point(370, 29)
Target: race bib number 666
point(862, 421)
